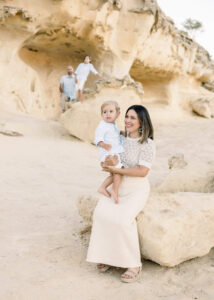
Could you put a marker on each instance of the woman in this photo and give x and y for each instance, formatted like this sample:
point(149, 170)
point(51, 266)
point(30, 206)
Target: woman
point(82, 73)
point(114, 238)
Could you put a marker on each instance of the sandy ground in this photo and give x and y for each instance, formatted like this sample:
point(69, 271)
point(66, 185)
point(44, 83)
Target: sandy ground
point(42, 250)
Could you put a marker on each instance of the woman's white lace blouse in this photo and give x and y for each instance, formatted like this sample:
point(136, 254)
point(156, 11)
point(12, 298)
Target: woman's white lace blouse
point(136, 154)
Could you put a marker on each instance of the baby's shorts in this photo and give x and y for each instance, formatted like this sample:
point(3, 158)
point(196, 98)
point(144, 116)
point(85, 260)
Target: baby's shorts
point(119, 165)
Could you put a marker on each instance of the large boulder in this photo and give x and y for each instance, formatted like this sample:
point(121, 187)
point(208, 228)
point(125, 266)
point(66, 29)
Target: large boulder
point(173, 228)
point(204, 107)
point(177, 227)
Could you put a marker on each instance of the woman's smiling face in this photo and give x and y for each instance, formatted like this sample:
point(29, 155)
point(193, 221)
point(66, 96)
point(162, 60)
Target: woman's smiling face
point(132, 122)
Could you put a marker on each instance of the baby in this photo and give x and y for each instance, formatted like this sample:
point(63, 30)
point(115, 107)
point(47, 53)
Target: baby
point(107, 138)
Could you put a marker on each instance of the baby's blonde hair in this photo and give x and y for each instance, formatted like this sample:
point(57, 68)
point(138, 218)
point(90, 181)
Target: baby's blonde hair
point(110, 103)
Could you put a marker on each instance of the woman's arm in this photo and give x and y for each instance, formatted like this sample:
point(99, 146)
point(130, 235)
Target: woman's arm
point(93, 70)
point(139, 171)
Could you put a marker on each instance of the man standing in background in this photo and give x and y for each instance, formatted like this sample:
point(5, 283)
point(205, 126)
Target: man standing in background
point(68, 88)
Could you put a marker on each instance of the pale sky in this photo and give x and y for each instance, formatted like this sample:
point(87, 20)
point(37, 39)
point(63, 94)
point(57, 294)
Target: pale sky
point(201, 10)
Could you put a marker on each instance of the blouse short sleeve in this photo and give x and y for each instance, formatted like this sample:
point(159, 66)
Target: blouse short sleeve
point(147, 153)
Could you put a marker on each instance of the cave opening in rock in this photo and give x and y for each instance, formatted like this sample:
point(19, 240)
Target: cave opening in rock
point(155, 82)
point(49, 53)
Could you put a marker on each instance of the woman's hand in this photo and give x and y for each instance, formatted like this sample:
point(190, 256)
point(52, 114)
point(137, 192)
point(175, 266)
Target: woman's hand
point(139, 171)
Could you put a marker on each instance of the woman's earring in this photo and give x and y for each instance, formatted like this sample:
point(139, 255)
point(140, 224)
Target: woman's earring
point(140, 130)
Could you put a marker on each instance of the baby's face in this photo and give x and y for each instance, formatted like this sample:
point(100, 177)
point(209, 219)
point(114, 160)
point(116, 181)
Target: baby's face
point(109, 113)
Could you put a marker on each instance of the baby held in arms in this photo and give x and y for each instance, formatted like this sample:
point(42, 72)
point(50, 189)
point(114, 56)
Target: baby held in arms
point(107, 138)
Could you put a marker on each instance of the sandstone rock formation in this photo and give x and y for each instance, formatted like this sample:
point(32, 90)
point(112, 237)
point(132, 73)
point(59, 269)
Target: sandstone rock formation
point(194, 177)
point(125, 38)
point(204, 107)
point(174, 227)
point(177, 227)
point(208, 85)
point(86, 205)
point(177, 161)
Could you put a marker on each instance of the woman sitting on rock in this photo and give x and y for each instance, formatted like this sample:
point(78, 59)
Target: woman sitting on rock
point(114, 237)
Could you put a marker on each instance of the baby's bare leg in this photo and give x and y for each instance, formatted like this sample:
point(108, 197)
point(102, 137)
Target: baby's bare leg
point(116, 184)
point(103, 188)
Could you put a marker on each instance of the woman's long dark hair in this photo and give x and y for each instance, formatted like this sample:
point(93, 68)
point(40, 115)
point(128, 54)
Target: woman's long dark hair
point(146, 129)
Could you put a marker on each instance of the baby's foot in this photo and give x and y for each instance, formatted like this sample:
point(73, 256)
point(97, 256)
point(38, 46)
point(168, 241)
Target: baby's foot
point(114, 196)
point(104, 192)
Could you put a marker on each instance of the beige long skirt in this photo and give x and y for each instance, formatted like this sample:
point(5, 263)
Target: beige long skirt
point(114, 237)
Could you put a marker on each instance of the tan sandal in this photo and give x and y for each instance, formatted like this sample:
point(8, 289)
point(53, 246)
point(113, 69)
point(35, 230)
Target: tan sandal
point(133, 275)
point(103, 268)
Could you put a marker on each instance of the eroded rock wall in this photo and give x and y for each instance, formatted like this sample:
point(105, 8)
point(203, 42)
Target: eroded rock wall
point(39, 39)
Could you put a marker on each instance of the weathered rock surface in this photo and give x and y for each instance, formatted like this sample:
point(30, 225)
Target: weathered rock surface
point(204, 107)
point(173, 228)
point(86, 205)
point(177, 227)
point(193, 177)
point(208, 85)
point(177, 161)
point(125, 38)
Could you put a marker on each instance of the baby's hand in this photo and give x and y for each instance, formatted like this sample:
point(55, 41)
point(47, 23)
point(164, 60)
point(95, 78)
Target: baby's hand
point(108, 147)
point(111, 160)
